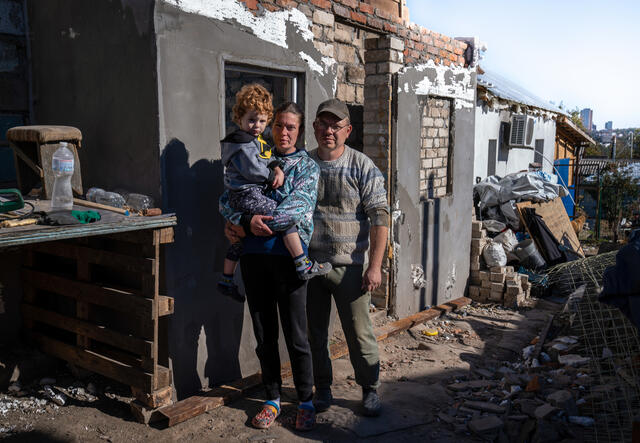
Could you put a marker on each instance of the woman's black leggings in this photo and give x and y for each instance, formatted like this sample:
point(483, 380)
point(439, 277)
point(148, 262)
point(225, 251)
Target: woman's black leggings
point(272, 285)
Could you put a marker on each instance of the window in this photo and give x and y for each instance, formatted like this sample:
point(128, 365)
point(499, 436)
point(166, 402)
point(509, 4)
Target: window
point(283, 85)
point(537, 157)
point(491, 158)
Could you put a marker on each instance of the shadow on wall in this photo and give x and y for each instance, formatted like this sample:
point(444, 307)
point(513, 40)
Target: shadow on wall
point(430, 248)
point(206, 327)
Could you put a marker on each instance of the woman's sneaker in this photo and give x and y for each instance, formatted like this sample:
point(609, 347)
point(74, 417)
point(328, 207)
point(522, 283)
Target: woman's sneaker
point(306, 418)
point(267, 416)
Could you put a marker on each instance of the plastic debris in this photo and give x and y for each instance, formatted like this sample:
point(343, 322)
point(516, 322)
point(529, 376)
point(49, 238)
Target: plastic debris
point(430, 332)
point(582, 421)
point(57, 397)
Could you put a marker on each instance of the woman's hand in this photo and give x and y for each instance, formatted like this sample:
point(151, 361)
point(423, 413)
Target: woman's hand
point(278, 180)
point(234, 233)
point(258, 227)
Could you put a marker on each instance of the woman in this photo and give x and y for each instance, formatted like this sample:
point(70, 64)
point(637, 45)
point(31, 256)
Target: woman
point(270, 279)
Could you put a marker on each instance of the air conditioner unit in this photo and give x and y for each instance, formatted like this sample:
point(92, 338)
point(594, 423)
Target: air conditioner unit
point(521, 133)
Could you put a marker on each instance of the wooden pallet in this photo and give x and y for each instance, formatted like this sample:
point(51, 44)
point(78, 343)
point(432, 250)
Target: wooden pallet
point(95, 302)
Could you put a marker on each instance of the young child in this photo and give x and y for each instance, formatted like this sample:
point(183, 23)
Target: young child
point(250, 169)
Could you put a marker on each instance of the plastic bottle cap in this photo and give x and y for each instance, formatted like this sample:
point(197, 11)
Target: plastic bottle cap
point(63, 144)
point(430, 332)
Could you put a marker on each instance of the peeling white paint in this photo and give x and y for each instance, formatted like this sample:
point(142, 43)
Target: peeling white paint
point(451, 278)
point(313, 65)
point(417, 275)
point(462, 91)
point(270, 26)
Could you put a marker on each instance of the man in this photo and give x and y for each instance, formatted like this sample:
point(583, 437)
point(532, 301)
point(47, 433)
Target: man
point(351, 210)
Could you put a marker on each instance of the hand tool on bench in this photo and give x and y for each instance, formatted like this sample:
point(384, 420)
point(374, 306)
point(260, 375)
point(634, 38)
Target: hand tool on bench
point(90, 204)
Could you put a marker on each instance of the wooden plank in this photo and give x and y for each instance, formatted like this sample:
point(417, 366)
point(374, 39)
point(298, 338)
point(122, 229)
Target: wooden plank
point(87, 329)
point(96, 256)
point(83, 271)
point(123, 301)
point(146, 236)
point(199, 404)
point(555, 216)
point(121, 356)
point(39, 233)
point(93, 362)
point(165, 305)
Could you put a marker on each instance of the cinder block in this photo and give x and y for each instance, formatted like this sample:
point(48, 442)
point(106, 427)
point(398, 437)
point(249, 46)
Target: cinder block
point(496, 296)
point(486, 284)
point(508, 269)
point(497, 287)
point(499, 269)
point(474, 266)
point(484, 275)
point(474, 291)
point(513, 290)
point(524, 278)
point(484, 292)
point(512, 276)
point(514, 301)
point(497, 277)
point(476, 226)
point(477, 243)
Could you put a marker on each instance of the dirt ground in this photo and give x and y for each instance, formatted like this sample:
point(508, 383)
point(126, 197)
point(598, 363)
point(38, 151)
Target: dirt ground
point(416, 373)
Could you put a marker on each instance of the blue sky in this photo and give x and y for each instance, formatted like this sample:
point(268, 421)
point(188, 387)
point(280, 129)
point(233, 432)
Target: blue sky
point(585, 53)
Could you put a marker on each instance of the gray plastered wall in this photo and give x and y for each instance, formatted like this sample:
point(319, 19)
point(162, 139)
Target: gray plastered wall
point(431, 236)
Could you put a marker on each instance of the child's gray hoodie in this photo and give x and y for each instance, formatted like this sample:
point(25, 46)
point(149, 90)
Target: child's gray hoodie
point(248, 161)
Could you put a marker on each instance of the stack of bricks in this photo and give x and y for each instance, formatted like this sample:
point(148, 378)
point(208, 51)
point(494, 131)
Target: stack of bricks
point(383, 57)
point(498, 284)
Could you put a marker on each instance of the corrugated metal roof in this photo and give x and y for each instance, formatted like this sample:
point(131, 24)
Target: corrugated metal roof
point(506, 89)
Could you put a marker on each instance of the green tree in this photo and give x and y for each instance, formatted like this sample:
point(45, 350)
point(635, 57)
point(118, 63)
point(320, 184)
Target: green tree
point(619, 195)
point(575, 117)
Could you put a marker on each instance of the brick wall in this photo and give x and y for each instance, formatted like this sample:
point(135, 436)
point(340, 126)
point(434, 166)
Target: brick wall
point(435, 150)
point(340, 28)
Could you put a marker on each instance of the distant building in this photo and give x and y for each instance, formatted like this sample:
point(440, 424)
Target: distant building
point(594, 128)
point(608, 125)
point(586, 115)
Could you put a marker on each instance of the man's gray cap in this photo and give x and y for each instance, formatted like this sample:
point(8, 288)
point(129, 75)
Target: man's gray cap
point(335, 107)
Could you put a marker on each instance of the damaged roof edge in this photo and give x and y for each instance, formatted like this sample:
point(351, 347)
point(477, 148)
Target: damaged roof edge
point(510, 91)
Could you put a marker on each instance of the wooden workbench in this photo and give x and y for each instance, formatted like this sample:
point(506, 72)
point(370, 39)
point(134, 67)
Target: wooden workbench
point(91, 296)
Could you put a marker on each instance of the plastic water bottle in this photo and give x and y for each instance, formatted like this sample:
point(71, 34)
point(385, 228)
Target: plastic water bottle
point(93, 193)
point(62, 166)
point(138, 202)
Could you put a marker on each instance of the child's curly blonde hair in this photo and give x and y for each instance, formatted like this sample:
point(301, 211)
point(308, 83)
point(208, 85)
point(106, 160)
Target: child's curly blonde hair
point(252, 97)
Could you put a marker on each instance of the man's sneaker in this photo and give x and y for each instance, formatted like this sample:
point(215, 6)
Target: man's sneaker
point(231, 290)
point(322, 399)
point(314, 270)
point(371, 403)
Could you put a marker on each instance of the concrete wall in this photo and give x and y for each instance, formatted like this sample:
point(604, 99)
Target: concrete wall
point(94, 66)
point(211, 338)
point(512, 159)
point(432, 235)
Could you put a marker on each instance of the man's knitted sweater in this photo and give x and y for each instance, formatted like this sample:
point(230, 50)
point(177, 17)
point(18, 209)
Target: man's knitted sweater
point(351, 197)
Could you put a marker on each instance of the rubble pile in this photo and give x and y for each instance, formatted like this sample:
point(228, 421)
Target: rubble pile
point(497, 284)
point(544, 396)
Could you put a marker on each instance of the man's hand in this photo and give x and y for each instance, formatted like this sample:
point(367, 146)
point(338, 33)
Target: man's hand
point(372, 278)
point(234, 233)
point(258, 227)
point(278, 180)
